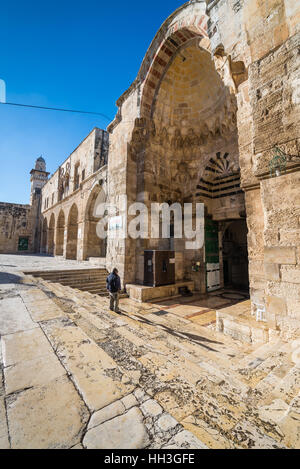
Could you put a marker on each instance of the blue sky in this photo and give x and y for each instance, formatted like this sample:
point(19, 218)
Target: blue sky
point(76, 55)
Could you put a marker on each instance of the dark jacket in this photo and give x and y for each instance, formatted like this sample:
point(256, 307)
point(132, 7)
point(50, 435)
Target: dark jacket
point(113, 283)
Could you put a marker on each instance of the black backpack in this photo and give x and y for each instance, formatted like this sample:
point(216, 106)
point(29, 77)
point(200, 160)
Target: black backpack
point(113, 283)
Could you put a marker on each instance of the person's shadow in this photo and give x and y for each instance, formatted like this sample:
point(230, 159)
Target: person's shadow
point(6, 278)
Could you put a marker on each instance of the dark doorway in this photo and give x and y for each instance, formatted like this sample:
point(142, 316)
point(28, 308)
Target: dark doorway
point(235, 256)
point(23, 244)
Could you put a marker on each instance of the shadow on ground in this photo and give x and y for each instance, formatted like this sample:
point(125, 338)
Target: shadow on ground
point(6, 278)
point(196, 339)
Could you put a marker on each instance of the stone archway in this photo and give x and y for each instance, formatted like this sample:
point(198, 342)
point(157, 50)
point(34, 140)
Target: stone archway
point(51, 232)
point(93, 245)
point(72, 233)
point(178, 114)
point(60, 234)
point(187, 150)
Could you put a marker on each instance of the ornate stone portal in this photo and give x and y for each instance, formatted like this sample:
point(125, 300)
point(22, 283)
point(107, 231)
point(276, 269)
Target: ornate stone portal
point(199, 124)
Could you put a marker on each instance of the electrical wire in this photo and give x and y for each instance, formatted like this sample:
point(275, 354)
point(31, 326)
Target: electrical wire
point(58, 109)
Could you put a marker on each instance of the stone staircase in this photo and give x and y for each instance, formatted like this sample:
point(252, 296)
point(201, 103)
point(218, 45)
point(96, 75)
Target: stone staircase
point(90, 280)
point(227, 393)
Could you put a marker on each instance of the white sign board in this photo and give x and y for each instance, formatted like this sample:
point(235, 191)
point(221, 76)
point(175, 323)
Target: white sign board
point(213, 276)
point(115, 223)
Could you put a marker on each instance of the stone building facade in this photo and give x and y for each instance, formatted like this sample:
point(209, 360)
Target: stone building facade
point(217, 90)
point(212, 117)
point(20, 224)
point(68, 218)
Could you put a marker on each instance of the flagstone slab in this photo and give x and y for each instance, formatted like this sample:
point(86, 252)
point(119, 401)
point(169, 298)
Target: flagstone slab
point(273, 412)
point(250, 436)
point(290, 426)
point(33, 297)
point(36, 372)
point(129, 401)
point(96, 375)
point(168, 368)
point(175, 405)
point(51, 416)
point(185, 310)
point(205, 319)
point(23, 346)
point(166, 423)
point(14, 316)
point(95, 320)
point(3, 424)
point(124, 432)
point(43, 312)
point(4, 442)
point(40, 306)
point(185, 440)
point(151, 408)
point(79, 446)
point(208, 435)
point(107, 413)
point(214, 302)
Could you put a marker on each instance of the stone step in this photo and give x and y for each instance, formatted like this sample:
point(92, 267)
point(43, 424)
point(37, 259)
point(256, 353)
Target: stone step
point(63, 272)
point(260, 352)
point(189, 336)
point(168, 366)
point(226, 347)
point(288, 387)
point(272, 373)
point(95, 374)
point(149, 336)
point(61, 289)
point(95, 289)
point(85, 285)
point(184, 366)
point(78, 278)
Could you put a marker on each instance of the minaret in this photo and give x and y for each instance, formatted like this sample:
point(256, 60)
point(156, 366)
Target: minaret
point(39, 177)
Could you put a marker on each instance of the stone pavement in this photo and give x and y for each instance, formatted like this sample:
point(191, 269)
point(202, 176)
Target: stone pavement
point(75, 375)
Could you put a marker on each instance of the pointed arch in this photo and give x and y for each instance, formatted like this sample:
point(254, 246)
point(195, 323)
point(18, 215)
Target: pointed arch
point(51, 232)
point(60, 234)
point(94, 246)
point(72, 233)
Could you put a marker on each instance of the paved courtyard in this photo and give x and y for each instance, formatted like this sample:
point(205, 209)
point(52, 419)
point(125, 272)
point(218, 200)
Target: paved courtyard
point(75, 375)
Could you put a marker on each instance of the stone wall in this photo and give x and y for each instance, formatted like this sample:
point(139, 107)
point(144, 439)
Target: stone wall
point(69, 198)
point(254, 48)
point(281, 204)
point(16, 221)
point(264, 36)
point(84, 161)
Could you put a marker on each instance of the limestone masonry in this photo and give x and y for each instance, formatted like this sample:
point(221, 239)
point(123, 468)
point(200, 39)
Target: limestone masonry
point(212, 117)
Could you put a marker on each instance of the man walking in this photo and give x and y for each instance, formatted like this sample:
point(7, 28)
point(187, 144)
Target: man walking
point(113, 285)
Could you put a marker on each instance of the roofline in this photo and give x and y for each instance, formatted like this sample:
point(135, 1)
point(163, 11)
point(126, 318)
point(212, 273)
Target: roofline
point(27, 206)
point(94, 128)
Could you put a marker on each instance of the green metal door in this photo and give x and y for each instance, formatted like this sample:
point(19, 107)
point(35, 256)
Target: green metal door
point(23, 244)
point(212, 261)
